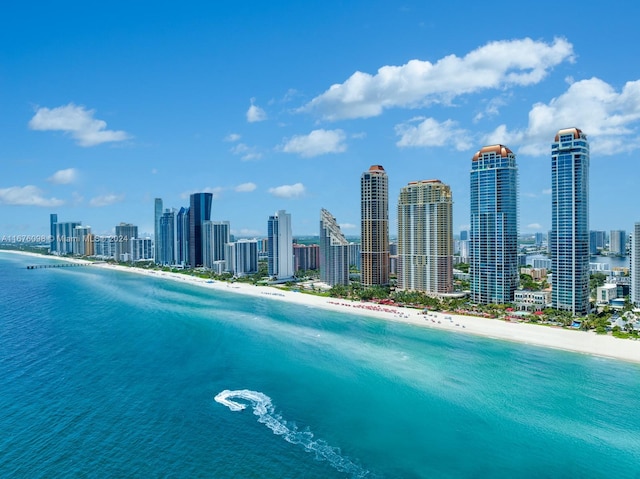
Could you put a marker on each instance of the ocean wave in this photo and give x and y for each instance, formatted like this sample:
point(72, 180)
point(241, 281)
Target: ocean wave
point(263, 408)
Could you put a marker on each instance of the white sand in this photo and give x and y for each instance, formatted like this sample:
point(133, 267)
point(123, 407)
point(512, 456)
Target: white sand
point(538, 335)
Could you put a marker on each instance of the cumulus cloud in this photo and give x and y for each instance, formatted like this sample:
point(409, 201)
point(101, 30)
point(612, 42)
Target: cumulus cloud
point(499, 64)
point(546, 191)
point(77, 122)
point(232, 137)
point(64, 177)
point(26, 196)
point(255, 113)
point(246, 232)
point(347, 226)
point(318, 142)
point(608, 117)
point(425, 132)
point(245, 187)
point(534, 226)
point(246, 152)
point(105, 200)
point(288, 191)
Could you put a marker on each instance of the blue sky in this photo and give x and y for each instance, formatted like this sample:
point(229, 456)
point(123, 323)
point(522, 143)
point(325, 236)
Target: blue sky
point(282, 105)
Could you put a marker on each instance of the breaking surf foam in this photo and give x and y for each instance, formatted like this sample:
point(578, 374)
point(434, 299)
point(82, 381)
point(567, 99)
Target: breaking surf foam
point(263, 408)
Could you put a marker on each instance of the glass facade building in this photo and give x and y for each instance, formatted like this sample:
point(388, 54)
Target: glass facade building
point(334, 251)
point(635, 265)
point(569, 240)
point(374, 214)
point(199, 212)
point(493, 236)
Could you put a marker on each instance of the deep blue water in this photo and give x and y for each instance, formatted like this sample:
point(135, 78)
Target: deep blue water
point(110, 374)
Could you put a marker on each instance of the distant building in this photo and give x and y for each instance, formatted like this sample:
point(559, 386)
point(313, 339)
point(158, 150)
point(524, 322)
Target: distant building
point(82, 243)
point(141, 249)
point(166, 252)
point(242, 257)
point(539, 239)
point(65, 236)
point(374, 214)
point(597, 241)
point(618, 242)
point(540, 263)
point(53, 246)
point(306, 257)
point(334, 251)
point(280, 260)
point(635, 265)
point(216, 234)
point(537, 274)
point(182, 236)
point(570, 221)
point(425, 237)
point(354, 255)
point(158, 211)
point(493, 243)
point(464, 235)
point(125, 232)
point(199, 212)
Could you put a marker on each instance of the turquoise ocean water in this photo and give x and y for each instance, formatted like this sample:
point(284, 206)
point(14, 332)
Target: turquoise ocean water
point(110, 374)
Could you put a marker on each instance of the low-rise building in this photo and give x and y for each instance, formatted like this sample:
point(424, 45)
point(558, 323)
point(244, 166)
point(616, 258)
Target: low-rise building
point(531, 300)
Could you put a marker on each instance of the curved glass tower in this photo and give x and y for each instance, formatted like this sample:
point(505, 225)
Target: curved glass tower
point(569, 240)
point(493, 237)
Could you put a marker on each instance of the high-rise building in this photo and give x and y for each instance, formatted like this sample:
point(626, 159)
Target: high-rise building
point(242, 257)
point(618, 242)
point(199, 212)
point(65, 235)
point(334, 251)
point(168, 239)
point(425, 237)
point(53, 219)
point(597, 241)
point(157, 237)
point(635, 265)
point(464, 235)
point(539, 239)
point(216, 234)
point(125, 232)
point(182, 236)
point(306, 257)
point(141, 249)
point(280, 247)
point(493, 237)
point(82, 244)
point(374, 226)
point(569, 241)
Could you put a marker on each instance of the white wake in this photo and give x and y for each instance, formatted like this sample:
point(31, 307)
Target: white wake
point(263, 408)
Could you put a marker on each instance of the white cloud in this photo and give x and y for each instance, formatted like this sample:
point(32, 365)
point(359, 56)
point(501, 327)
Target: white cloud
point(429, 132)
point(246, 152)
point(608, 117)
point(26, 196)
point(245, 187)
point(105, 200)
point(216, 191)
point(255, 113)
point(231, 137)
point(246, 232)
point(499, 64)
point(77, 122)
point(546, 191)
point(318, 142)
point(64, 177)
point(534, 226)
point(288, 191)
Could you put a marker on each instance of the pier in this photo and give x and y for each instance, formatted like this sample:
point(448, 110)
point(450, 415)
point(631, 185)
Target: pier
point(62, 265)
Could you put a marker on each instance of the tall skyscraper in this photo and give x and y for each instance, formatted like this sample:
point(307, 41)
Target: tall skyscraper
point(168, 238)
point(53, 219)
point(597, 240)
point(182, 236)
point(242, 257)
point(493, 237)
point(65, 234)
point(570, 221)
point(425, 237)
point(618, 242)
point(280, 246)
point(125, 232)
point(199, 212)
point(635, 265)
point(374, 225)
point(216, 235)
point(334, 251)
point(157, 237)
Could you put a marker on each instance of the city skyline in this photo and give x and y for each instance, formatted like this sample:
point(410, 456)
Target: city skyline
point(284, 106)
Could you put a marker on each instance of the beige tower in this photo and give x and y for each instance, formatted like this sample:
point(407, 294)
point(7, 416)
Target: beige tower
point(374, 253)
point(425, 237)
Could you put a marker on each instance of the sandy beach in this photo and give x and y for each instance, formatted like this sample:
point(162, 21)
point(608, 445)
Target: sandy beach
point(538, 335)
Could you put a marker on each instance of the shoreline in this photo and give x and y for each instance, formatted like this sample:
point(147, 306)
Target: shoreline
point(585, 342)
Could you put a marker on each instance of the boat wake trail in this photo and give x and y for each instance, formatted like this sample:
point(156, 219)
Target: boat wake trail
point(263, 408)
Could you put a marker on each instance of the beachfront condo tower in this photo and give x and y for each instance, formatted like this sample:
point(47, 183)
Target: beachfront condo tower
point(374, 214)
point(635, 265)
point(569, 239)
point(199, 212)
point(157, 238)
point(493, 236)
point(216, 234)
point(425, 237)
point(334, 251)
point(280, 246)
